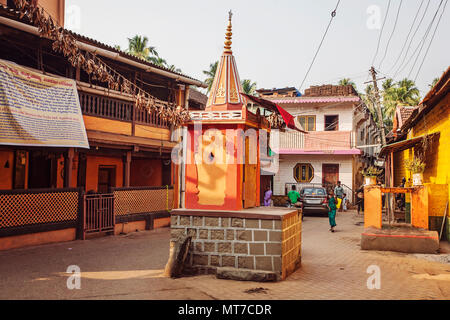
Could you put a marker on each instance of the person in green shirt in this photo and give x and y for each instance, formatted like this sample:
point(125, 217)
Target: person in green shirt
point(332, 212)
point(294, 196)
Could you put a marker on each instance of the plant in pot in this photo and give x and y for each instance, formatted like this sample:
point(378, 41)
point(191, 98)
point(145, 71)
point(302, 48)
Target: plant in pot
point(370, 174)
point(416, 166)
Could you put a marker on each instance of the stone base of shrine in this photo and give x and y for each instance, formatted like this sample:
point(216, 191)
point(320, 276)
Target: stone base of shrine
point(400, 238)
point(258, 244)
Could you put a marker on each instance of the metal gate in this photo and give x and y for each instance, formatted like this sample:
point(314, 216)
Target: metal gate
point(98, 213)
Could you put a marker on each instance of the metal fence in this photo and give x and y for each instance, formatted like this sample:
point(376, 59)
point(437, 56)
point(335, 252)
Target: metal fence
point(98, 213)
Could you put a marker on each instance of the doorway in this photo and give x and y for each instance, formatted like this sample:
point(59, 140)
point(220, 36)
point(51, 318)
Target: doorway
point(106, 178)
point(330, 174)
point(42, 170)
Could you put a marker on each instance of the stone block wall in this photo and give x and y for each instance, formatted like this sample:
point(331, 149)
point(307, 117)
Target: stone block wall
point(271, 245)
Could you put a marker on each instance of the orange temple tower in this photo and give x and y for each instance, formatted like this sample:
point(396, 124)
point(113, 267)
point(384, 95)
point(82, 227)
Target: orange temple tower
point(223, 147)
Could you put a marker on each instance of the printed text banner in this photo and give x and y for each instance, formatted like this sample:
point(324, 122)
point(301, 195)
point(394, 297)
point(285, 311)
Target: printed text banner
point(39, 110)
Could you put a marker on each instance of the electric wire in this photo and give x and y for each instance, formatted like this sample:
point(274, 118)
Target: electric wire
point(407, 37)
point(424, 38)
point(333, 14)
point(431, 41)
point(392, 33)
point(381, 32)
point(401, 65)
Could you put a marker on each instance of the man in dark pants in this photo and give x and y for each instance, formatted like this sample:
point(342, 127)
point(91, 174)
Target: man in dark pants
point(339, 192)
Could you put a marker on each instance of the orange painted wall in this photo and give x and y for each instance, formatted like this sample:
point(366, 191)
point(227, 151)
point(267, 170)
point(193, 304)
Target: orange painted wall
point(372, 205)
point(92, 166)
point(6, 174)
point(106, 125)
point(234, 177)
point(35, 239)
point(152, 132)
point(146, 173)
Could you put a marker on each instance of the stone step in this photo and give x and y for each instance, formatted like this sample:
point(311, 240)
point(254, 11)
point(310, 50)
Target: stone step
point(247, 274)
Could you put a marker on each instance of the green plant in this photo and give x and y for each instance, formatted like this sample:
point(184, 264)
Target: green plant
point(415, 165)
point(371, 171)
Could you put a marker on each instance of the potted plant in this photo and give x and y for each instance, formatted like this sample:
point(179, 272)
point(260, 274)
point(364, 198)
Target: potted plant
point(370, 174)
point(416, 166)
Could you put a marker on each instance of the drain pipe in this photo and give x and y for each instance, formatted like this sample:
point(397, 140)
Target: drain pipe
point(106, 53)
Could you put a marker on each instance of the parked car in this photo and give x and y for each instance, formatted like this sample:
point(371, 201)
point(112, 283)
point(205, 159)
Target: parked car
point(314, 200)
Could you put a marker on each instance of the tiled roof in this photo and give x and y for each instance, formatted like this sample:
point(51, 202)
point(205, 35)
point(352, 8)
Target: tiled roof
point(296, 100)
point(198, 97)
point(15, 15)
point(406, 112)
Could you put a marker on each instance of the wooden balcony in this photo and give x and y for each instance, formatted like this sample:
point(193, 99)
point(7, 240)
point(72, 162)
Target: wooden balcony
point(113, 119)
point(326, 141)
point(98, 105)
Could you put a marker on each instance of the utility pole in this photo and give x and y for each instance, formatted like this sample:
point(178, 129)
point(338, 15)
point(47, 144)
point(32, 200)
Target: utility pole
point(378, 105)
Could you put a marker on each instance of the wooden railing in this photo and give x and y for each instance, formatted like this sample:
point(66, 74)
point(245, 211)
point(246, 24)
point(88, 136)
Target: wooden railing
point(116, 109)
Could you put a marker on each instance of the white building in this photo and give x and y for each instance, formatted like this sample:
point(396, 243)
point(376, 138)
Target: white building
point(340, 139)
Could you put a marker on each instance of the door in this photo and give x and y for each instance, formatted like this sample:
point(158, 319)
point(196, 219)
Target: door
point(330, 174)
point(265, 181)
point(249, 177)
point(40, 171)
point(106, 178)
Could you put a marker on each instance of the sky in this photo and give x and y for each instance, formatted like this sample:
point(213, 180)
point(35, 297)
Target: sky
point(274, 42)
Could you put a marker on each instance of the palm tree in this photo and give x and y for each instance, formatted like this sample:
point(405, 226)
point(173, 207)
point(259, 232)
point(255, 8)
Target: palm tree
point(403, 92)
point(435, 81)
point(158, 61)
point(211, 73)
point(138, 46)
point(407, 92)
point(346, 82)
point(248, 87)
point(173, 68)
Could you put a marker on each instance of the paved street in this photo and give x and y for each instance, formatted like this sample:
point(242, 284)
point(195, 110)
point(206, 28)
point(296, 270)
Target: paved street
point(131, 267)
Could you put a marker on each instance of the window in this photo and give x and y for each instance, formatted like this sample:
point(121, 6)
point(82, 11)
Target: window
point(331, 123)
point(308, 123)
point(303, 172)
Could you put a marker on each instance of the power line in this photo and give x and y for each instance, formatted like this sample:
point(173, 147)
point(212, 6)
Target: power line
point(407, 37)
point(333, 14)
point(429, 45)
point(410, 42)
point(425, 37)
point(392, 33)
point(381, 32)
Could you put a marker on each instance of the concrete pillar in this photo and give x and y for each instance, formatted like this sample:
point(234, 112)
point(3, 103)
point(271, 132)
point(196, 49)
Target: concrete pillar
point(127, 170)
point(68, 165)
point(419, 207)
point(372, 207)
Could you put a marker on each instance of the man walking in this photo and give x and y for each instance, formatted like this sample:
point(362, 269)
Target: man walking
point(339, 192)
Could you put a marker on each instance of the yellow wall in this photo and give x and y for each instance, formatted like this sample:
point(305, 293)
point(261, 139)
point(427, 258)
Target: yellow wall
point(437, 168)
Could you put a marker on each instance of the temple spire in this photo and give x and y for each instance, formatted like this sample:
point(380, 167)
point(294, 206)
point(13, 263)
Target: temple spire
point(228, 34)
point(226, 89)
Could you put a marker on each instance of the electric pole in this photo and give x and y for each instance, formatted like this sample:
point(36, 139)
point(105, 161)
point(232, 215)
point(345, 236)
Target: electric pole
point(378, 105)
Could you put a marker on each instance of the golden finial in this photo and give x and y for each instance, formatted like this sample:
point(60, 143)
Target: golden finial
point(228, 34)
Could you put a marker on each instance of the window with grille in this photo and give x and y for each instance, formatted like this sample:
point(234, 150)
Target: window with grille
point(303, 172)
point(308, 123)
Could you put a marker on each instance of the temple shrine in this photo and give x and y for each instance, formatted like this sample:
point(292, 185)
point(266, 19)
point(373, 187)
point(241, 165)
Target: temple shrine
point(230, 234)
